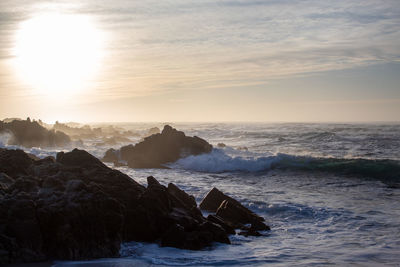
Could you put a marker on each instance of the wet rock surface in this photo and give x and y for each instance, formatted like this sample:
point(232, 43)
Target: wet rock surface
point(231, 214)
point(158, 149)
point(74, 207)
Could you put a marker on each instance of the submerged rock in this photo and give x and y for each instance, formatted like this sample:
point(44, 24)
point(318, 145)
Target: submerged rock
point(221, 145)
point(250, 232)
point(75, 207)
point(158, 149)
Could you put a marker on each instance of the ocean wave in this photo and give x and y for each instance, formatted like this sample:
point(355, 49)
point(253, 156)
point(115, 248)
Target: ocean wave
point(218, 161)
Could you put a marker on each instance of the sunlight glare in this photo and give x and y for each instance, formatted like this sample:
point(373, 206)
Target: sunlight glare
point(58, 54)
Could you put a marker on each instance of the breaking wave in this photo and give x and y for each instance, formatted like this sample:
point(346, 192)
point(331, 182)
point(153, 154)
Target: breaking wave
point(218, 161)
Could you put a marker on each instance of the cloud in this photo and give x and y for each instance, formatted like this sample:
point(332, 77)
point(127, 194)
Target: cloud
point(158, 46)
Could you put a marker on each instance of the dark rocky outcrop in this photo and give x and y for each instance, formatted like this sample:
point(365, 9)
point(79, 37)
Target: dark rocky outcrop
point(151, 131)
point(159, 149)
point(218, 220)
point(74, 207)
point(31, 134)
point(238, 215)
point(213, 200)
point(184, 197)
point(221, 145)
point(111, 155)
point(231, 213)
point(250, 232)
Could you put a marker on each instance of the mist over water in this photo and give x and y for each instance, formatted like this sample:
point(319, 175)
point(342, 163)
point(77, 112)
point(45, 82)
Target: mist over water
point(330, 193)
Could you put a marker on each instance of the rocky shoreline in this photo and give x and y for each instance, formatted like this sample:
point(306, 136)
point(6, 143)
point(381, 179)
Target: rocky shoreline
point(30, 133)
point(158, 149)
point(74, 207)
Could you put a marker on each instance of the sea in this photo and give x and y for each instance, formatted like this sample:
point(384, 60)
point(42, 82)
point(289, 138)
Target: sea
point(330, 193)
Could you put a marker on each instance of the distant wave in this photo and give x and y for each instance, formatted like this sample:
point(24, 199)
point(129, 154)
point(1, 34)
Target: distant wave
point(218, 161)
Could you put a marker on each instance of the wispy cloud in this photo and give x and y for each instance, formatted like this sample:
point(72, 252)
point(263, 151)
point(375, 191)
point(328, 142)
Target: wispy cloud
point(159, 46)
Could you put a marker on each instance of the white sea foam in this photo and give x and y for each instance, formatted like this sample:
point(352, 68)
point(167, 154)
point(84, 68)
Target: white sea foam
point(219, 161)
point(5, 137)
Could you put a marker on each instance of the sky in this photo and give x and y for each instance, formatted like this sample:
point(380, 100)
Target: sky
point(187, 60)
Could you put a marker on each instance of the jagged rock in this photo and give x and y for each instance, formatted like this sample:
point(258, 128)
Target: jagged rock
point(5, 181)
point(250, 232)
point(78, 158)
point(32, 156)
point(111, 155)
point(152, 181)
point(75, 207)
point(184, 197)
point(176, 236)
point(158, 149)
point(151, 131)
point(219, 233)
point(30, 133)
point(229, 229)
point(230, 211)
point(221, 145)
point(213, 200)
point(14, 162)
point(238, 215)
point(109, 134)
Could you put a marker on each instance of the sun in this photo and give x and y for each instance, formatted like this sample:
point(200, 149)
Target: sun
point(58, 54)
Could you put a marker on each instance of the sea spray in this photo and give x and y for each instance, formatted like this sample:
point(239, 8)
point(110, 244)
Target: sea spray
point(5, 138)
point(218, 161)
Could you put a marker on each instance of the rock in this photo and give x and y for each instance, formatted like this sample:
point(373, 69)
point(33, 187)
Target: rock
point(259, 225)
point(178, 225)
point(238, 215)
point(219, 234)
point(185, 198)
point(5, 181)
point(215, 219)
point(48, 159)
point(24, 184)
point(73, 186)
point(111, 155)
point(31, 134)
point(78, 158)
point(152, 181)
point(75, 208)
point(21, 237)
point(151, 131)
point(221, 145)
point(158, 149)
point(177, 237)
point(14, 162)
point(230, 211)
point(250, 232)
point(32, 156)
point(213, 200)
